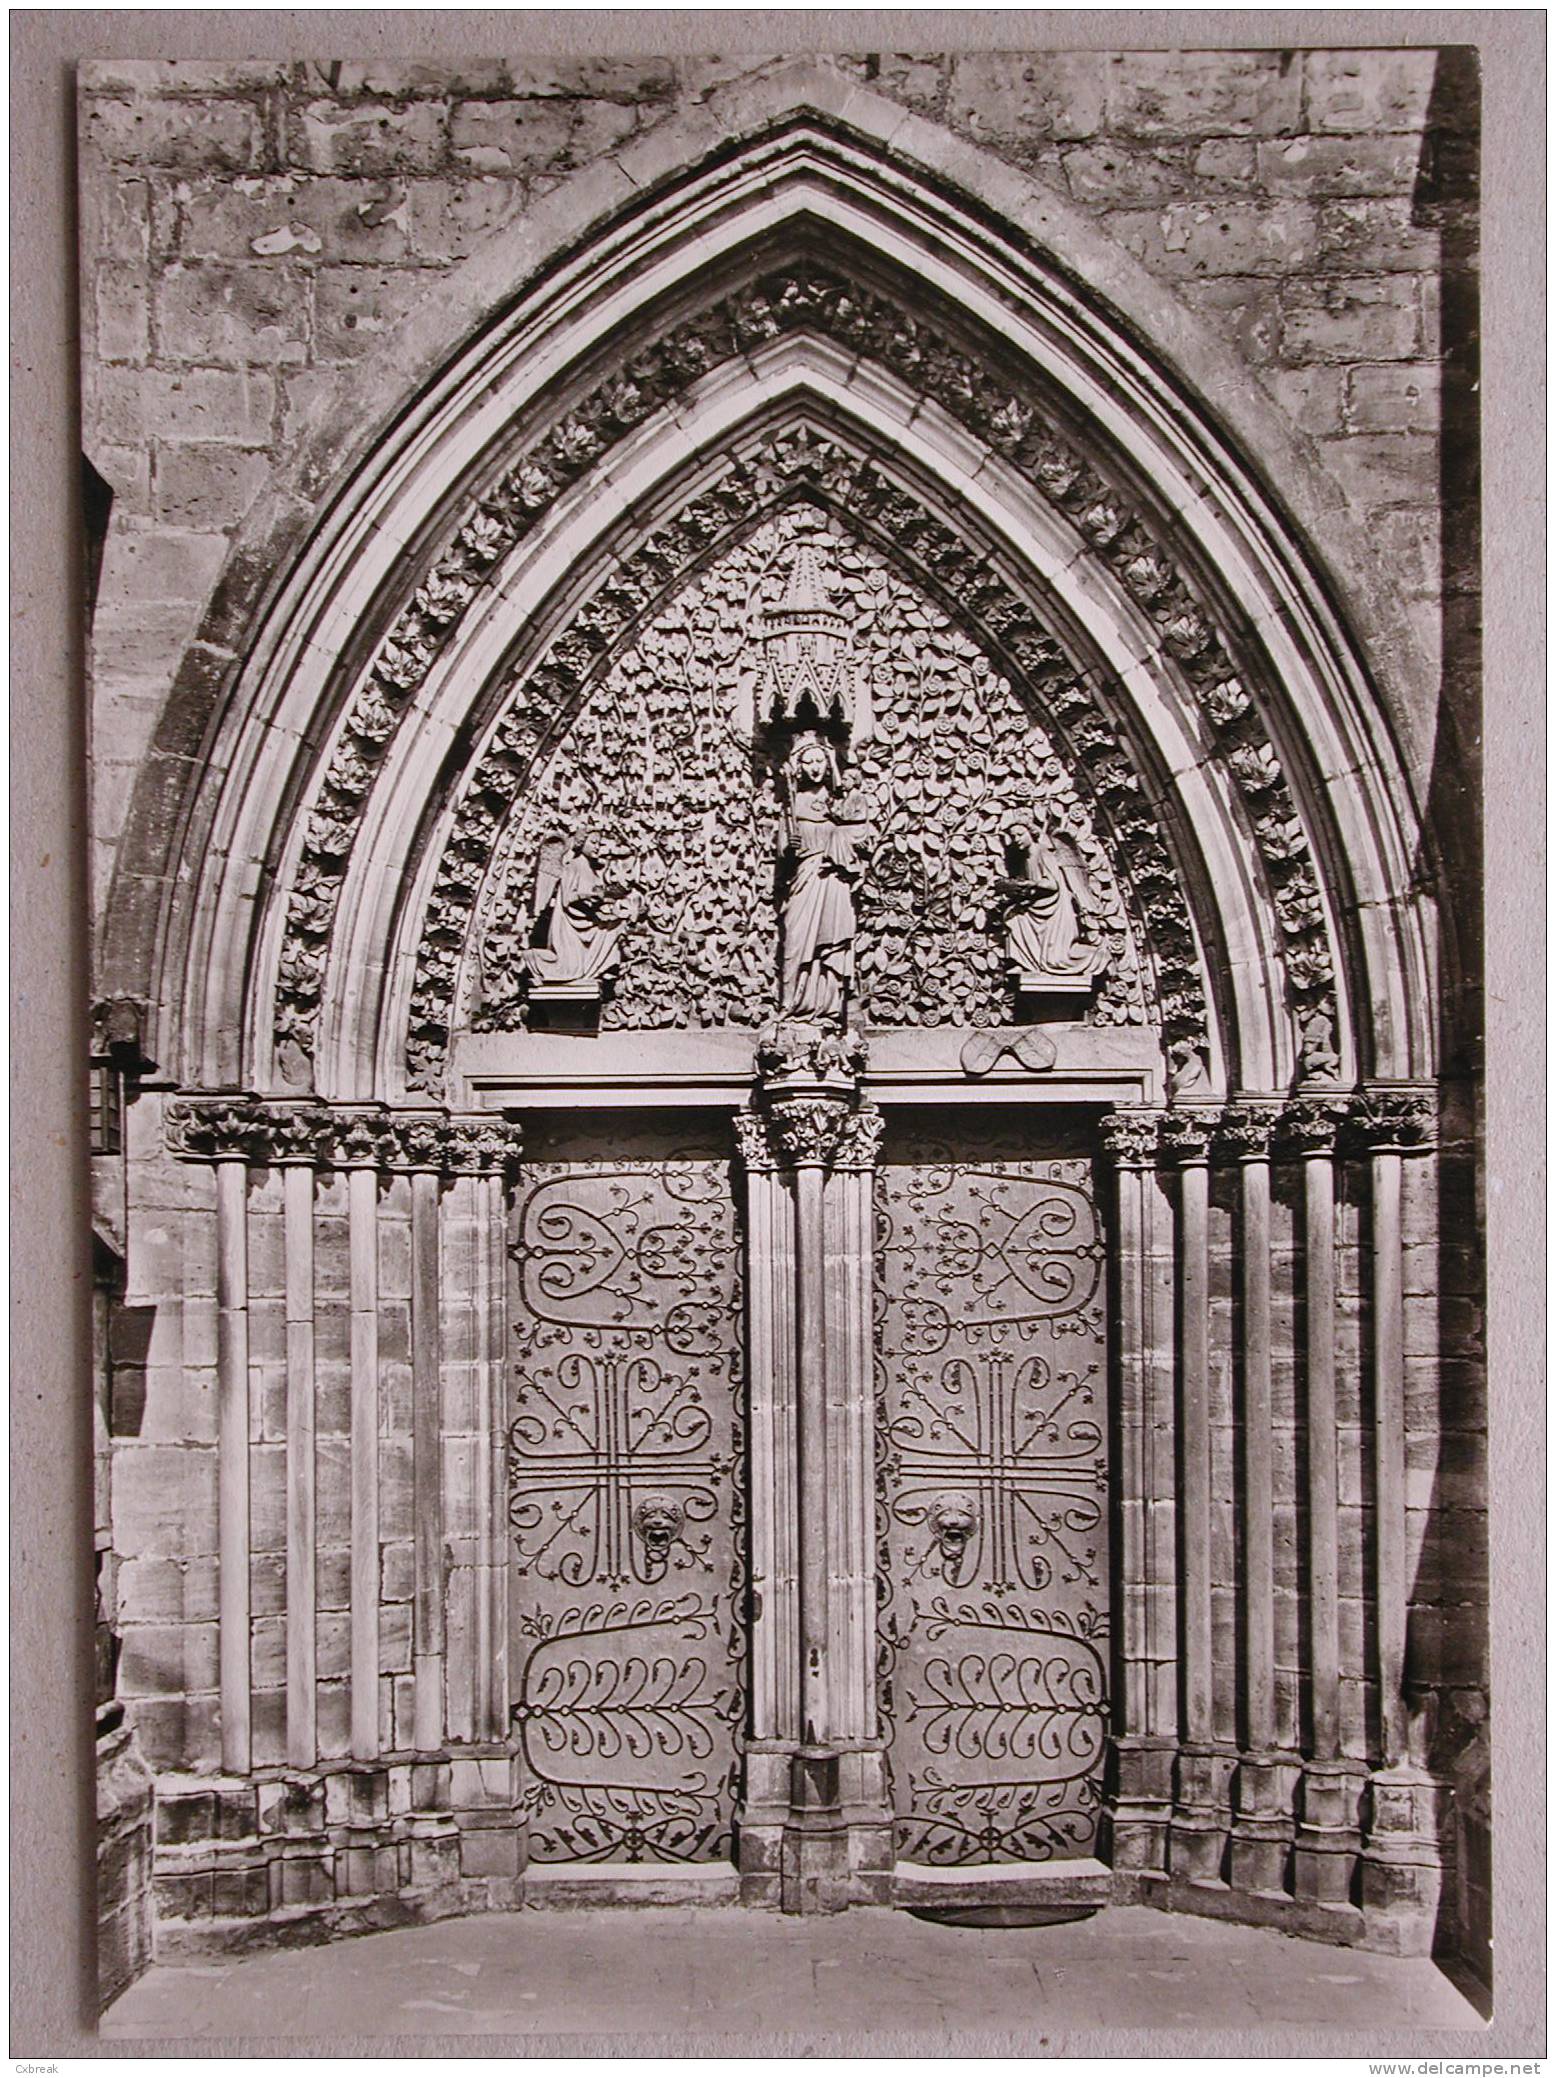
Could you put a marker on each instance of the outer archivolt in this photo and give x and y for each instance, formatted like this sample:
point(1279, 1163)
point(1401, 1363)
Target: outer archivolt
point(1017, 424)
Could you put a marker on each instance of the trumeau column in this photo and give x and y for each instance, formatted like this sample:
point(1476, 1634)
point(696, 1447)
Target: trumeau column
point(1261, 1827)
point(814, 1826)
point(1327, 1838)
point(1139, 1790)
point(1202, 1805)
point(1402, 1854)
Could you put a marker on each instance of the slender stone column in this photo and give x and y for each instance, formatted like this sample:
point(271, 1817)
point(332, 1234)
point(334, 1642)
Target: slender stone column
point(459, 1167)
point(1327, 1838)
point(1139, 1788)
point(357, 1152)
point(486, 1496)
point(851, 1424)
point(1261, 1828)
point(427, 1632)
point(496, 1598)
point(1402, 1858)
point(771, 1459)
point(811, 1352)
point(1201, 1813)
point(302, 1688)
point(232, 1455)
point(850, 1224)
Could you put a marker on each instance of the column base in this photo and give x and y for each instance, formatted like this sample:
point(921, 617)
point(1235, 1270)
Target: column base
point(1404, 1855)
point(1259, 1846)
point(1328, 1833)
point(760, 1821)
point(780, 1811)
point(1137, 1803)
point(1202, 1813)
point(871, 1823)
point(814, 1857)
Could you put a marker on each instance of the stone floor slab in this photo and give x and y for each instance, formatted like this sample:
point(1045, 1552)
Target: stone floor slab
point(728, 1973)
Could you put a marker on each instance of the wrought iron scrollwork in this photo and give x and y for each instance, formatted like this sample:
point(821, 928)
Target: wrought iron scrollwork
point(623, 1447)
point(991, 1380)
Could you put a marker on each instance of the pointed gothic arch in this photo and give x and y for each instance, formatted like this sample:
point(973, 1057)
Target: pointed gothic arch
point(1154, 479)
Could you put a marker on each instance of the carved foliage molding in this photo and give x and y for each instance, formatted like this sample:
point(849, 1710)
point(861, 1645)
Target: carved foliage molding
point(248, 1129)
point(1395, 1121)
point(1368, 1121)
point(795, 1130)
point(1014, 419)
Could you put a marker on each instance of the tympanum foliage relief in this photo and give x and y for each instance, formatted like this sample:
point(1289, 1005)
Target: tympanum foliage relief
point(661, 759)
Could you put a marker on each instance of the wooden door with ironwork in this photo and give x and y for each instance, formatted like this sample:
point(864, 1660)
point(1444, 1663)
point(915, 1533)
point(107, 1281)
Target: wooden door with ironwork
point(624, 1498)
point(991, 1396)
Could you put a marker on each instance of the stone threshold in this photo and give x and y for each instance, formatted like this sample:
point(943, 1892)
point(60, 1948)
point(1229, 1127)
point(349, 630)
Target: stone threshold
point(1082, 1882)
point(631, 1883)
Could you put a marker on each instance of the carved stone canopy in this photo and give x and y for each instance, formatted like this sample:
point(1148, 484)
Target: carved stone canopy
point(806, 643)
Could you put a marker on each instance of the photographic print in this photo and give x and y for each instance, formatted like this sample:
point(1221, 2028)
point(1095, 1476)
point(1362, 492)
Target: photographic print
point(786, 1042)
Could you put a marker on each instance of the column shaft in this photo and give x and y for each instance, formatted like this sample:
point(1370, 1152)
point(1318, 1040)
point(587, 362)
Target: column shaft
point(1161, 1462)
point(1323, 1457)
point(1326, 1839)
point(1388, 1387)
point(811, 1365)
point(1131, 1705)
point(1194, 1357)
point(1260, 1844)
point(492, 1595)
point(362, 1223)
point(1258, 1462)
point(302, 1738)
point(485, 1505)
point(1140, 1766)
point(427, 1634)
point(232, 1365)
point(851, 1393)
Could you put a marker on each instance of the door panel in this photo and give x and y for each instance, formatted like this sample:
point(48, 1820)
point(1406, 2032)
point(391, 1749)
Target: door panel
point(991, 1379)
point(624, 1485)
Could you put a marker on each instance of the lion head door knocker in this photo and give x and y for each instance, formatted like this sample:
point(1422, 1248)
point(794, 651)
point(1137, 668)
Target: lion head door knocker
point(659, 1522)
point(954, 1522)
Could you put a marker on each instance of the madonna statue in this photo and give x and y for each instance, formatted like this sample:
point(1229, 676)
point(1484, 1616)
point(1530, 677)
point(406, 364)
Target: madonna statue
point(823, 831)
